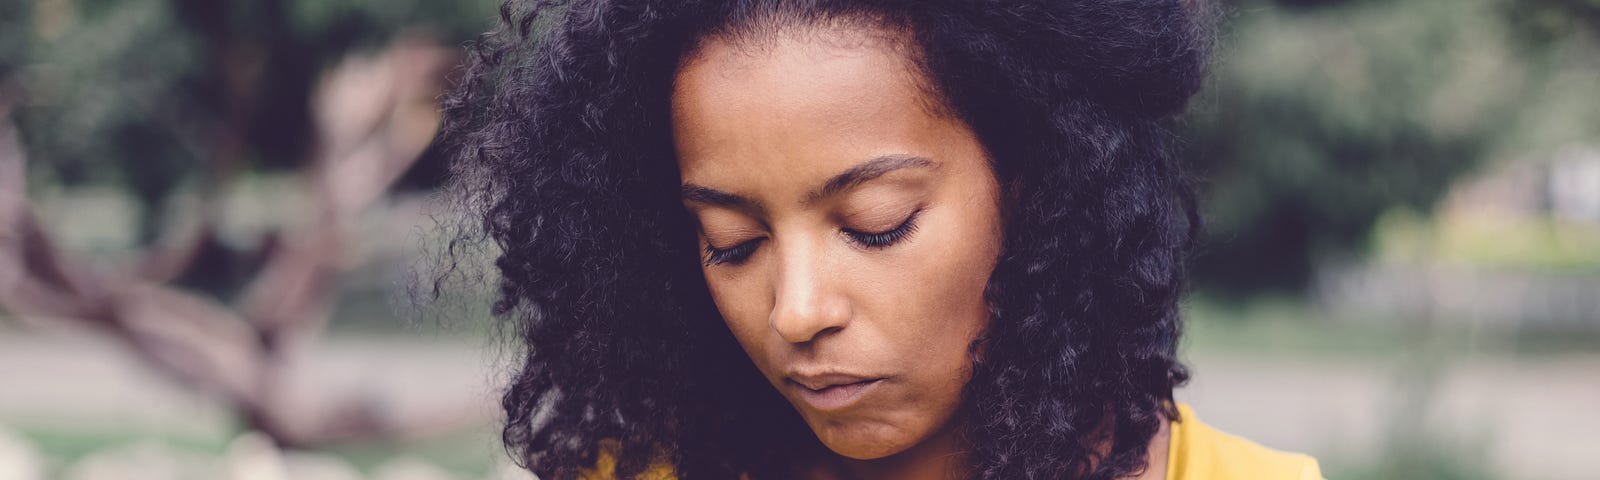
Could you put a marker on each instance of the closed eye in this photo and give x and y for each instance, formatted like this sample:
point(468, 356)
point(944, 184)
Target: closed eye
point(884, 239)
point(733, 255)
point(737, 254)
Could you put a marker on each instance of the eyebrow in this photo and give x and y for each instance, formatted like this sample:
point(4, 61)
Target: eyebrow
point(863, 172)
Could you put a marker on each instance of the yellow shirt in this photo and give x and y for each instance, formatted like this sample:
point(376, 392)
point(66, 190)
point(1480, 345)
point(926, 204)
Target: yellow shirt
point(1195, 451)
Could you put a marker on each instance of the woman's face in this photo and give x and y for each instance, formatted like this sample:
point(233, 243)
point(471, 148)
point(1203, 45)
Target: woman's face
point(848, 227)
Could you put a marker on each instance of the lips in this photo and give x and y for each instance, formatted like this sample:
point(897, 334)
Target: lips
point(832, 391)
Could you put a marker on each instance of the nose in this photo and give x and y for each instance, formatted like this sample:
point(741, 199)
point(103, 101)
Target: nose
point(808, 303)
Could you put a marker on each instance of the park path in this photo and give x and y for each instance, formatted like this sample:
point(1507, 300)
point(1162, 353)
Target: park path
point(1525, 418)
point(1532, 418)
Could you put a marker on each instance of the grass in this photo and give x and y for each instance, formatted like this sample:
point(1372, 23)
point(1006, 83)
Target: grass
point(470, 453)
point(1280, 326)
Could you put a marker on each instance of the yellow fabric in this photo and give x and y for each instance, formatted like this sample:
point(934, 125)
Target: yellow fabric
point(606, 465)
point(1195, 451)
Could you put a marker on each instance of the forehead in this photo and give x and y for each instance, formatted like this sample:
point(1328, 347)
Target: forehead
point(798, 106)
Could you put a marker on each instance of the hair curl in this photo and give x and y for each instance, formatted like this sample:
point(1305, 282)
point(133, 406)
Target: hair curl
point(562, 150)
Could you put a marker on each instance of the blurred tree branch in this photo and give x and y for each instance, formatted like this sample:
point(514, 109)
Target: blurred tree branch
point(373, 118)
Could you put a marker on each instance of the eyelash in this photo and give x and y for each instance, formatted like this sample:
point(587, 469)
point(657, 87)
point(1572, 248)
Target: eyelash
point(869, 240)
point(885, 239)
point(735, 255)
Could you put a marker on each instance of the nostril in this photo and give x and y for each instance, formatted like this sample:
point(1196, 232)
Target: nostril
point(825, 332)
point(802, 325)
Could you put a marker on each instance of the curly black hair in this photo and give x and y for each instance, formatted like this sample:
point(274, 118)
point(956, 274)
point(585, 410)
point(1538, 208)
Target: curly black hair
point(562, 149)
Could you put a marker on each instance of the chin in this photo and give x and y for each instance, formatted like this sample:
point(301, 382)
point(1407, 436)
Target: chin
point(861, 440)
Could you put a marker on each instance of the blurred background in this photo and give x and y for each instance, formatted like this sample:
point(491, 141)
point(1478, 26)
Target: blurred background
point(210, 211)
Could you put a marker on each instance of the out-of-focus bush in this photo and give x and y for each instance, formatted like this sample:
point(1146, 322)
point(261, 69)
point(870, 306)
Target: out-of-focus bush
point(1322, 116)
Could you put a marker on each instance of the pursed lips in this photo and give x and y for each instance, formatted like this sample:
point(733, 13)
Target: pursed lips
point(818, 382)
point(832, 392)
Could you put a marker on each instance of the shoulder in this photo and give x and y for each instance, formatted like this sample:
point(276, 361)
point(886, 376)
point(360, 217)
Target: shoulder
point(1198, 452)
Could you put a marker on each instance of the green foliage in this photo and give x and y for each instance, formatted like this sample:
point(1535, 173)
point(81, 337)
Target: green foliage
point(1321, 114)
point(151, 94)
point(1543, 23)
point(104, 97)
point(12, 39)
point(1318, 120)
point(1540, 245)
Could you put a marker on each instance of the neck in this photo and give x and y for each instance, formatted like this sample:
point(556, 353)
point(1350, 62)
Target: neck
point(1155, 466)
point(1155, 453)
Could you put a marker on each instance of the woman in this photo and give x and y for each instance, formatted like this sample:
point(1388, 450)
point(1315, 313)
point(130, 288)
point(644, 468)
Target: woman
point(842, 239)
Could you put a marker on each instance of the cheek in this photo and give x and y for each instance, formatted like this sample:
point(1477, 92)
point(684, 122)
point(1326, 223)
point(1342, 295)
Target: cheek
point(926, 308)
point(744, 309)
point(947, 281)
point(932, 304)
point(950, 286)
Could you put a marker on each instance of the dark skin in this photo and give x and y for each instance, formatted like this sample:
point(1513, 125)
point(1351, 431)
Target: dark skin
point(850, 226)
